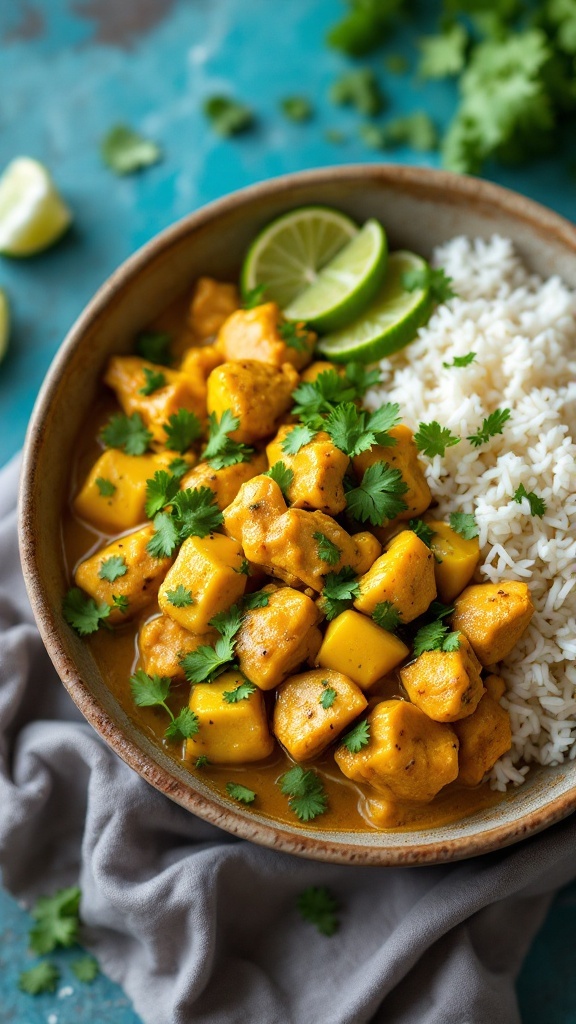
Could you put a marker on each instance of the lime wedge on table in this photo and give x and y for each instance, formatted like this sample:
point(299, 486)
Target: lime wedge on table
point(288, 254)
point(32, 214)
point(390, 321)
point(4, 324)
point(345, 286)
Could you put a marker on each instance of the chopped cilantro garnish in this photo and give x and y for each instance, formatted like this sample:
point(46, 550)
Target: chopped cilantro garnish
point(358, 737)
point(125, 151)
point(283, 476)
point(182, 429)
point(364, 27)
point(340, 590)
point(85, 968)
point(460, 361)
point(432, 439)
point(165, 538)
point(359, 89)
point(422, 530)
point(294, 335)
point(387, 616)
point(465, 524)
point(43, 977)
point(181, 597)
point(160, 490)
point(154, 346)
point(260, 599)
point(305, 791)
point(330, 388)
point(221, 451)
point(227, 116)
point(491, 425)
point(194, 513)
point(105, 487)
point(378, 498)
point(112, 568)
point(153, 691)
point(121, 602)
point(205, 663)
point(244, 569)
point(355, 430)
point(178, 467)
point(126, 432)
point(240, 692)
point(153, 381)
point(318, 907)
point(201, 762)
point(241, 793)
point(327, 551)
point(416, 130)
point(537, 504)
point(56, 921)
point(435, 636)
point(434, 278)
point(444, 54)
point(296, 108)
point(327, 697)
point(296, 439)
point(396, 64)
point(82, 612)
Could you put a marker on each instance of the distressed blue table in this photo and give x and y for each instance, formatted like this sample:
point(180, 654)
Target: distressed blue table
point(69, 70)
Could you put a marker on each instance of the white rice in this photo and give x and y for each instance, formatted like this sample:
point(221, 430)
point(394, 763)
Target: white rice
point(523, 331)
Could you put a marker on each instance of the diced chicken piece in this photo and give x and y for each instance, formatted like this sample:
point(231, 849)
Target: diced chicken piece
point(318, 469)
point(212, 303)
point(229, 732)
point(247, 519)
point(208, 570)
point(495, 686)
point(257, 393)
point(162, 643)
point(225, 483)
point(276, 639)
point(136, 575)
point(125, 375)
point(358, 647)
point(446, 685)
point(198, 363)
point(493, 616)
point(403, 575)
point(408, 757)
point(313, 371)
point(257, 334)
point(305, 725)
point(403, 456)
point(370, 549)
point(455, 560)
point(484, 737)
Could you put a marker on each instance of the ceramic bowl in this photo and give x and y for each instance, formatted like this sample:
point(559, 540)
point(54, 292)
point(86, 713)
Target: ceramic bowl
point(420, 208)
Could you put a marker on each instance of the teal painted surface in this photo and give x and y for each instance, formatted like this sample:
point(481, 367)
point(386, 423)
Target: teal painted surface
point(63, 82)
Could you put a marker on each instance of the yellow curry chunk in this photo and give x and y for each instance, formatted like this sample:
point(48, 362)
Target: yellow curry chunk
point(229, 733)
point(370, 549)
point(303, 724)
point(495, 687)
point(408, 757)
point(257, 393)
point(162, 642)
point(446, 685)
point(247, 519)
point(125, 375)
point(211, 304)
point(275, 640)
point(455, 561)
point(208, 568)
point(138, 579)
point(403, 575)
point(125, 476)
point(318, 469)
point(226, 482)
point(355, 645)
point(198, 363)
point(403, 456)
point(493, 616)
point(256, 334)
point(484, 737)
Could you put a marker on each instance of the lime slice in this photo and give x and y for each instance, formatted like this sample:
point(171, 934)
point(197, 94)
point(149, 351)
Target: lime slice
point(389, 323)
point(32, 214)
point(4, 324)
point(288, 254)
point(346, 285)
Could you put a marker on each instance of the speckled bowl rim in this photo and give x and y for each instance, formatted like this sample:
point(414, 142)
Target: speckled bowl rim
point(435, 183)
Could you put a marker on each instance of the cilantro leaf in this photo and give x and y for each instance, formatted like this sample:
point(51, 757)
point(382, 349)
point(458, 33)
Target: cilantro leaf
point(364, 27)
point(282, 475)
point(340, 590)
point(112, 568)
point(254, 296)
point(354, 430)
point(358, 737)
point(330, 388)
point(105, 487)
point(537, 504)
point(296, 439)
point(296, 108)
point(387, 616)
point(160, 490)
point(82, 612)
point(164, 540)
point(327, 551)
point(440, 611)
point(240, 692)
point(327, 697)
point(359, 89)
point(435, 636)
point(180, 598)
point(221, 450)
point(294, 334)
point(56, 921)
point(127, 433)
point(85, 968)
point(178, 467)
point(434, 278)
point(154, 346)
point(184, 725)
point(120, 602)
point(451, 642)
point(227, 116)
point(228, 623)
point(205, 663)
point(318, 907)
point(307, 797)
point(241, 793)
point(422, 530)
point(465, 524)
point(182, 429)
point(43, 977)
point(444, 54)
point(244, 569)
point(149, 691)
point(432, 439)
point(260, 599)
point(201, 762)
point(377, 498)
point(460, 361)
point(416, 130)
point(125, 151)
point(491, 425)
point(153, 381)
point(196, 512)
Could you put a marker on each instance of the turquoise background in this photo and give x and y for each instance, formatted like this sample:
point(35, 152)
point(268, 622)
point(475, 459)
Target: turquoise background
point(69, 70)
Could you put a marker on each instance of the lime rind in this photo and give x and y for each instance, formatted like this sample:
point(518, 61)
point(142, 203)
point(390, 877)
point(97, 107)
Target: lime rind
point(32, 214)
point(389, 323)
point(4, 323)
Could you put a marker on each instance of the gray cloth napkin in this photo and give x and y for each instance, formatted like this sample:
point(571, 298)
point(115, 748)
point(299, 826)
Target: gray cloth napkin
point(199, 926)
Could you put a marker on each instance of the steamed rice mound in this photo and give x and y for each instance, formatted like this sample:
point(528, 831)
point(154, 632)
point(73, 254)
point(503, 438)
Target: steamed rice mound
point(523, 331)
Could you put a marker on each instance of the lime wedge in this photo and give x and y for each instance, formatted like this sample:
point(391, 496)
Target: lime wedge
point(288, 254)
point(32, 214)
point(345, 286)
point(4, 324)
point(391, 320)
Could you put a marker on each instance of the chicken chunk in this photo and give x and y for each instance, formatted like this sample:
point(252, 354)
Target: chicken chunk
point(493, 616)
point(212, 303)
point(318, 469)
point(403, 456)
point(225, 483)
point(126, 376)
point(312, 709)
point(495, 686)
point(455, 559)
point(198, 363)
point(230, 732)
point(446, 685)
point(262, 333)
point(257, 393)
point(276, 639)
point(355, 645)
point(370, 549)
point(403, 575)
point(484, 737)
point(162, 642)
point(247, 519)
point(408, 757)
point(133, 574)
point(207, 568)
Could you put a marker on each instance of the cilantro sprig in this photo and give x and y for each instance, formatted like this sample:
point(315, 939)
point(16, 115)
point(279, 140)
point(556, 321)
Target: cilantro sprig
point(387, 616)
point(358, 737)
point(154, 346)
point(355, 430)
point(82, 613)
point(206, 662)
point(537, 504)
point(319, 397)
point(153, 691)
point(378, 498)
point(240, 692)
point(282, 475)
point(459, 361)
point(241, 793)
point(105, 487)
point(153, 381)
point(433, 278)
point(294, 334)
point(112, 568)
point(42, 977)
point(56, 920)
point(305, 792)
point(340, 590)
point(193, 512)
point(317, 906)
point(128, 433)
point(182, 429)
point(423, 531)
point(491, 426)
point(432, 439)
point(435, 636)
point(465, 524)
point(327, 551)
point(221, 451)
point(296, 439)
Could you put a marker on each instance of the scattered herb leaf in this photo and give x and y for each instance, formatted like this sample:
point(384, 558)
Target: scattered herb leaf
point(318, 907)
point(358, 737)
point(112, 568)
point(340, 590)
point(327, 697)
point(82, 612)
point(359, 89)
point(127, 433)
point(537, 504)
point(491, 425)
point(377, 499)
point(435, 636)
point(227, 116)
point(241, 692)
point(305, 791)
point(387, 616)
point(56, 921)
point(434, 278)
point(460, 361)
point(283, 476)
point(327, 551)
point(221, 451)
point(105, 487)
point(241, 793)
point(43, 977)
point(85, 968)
point(154, 346)
point(296, 439)
point(180, 598)
point(432, 439)
point(182, 429)
point(296, 108)
point(125, 151)
point(465, 524)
